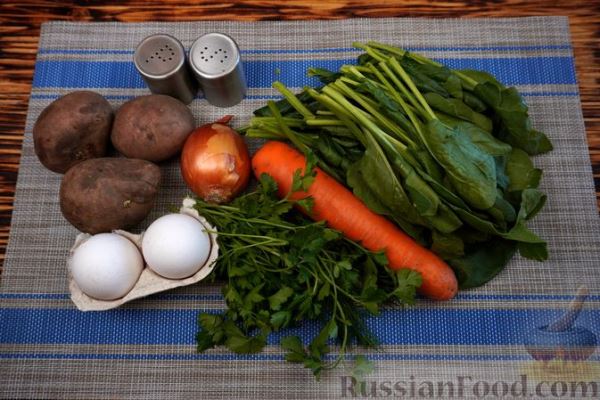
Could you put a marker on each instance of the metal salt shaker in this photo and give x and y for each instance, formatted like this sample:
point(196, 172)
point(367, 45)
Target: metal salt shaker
point(215, 61)
point(161, 61)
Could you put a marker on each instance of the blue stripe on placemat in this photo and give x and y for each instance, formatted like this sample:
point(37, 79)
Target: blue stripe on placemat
point(267, 357)
point(331, 49)
point(178, 327)
point(277, 97)
point(459, 296)
point(261, 74)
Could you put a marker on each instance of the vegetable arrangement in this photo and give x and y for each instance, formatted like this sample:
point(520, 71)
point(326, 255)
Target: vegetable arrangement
point(336, 205)
point(406, 176)
point(280, 268)
point(443, 153)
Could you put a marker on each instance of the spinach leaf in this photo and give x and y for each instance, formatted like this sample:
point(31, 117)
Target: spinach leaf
point(470, 171)
point(425, 200)
point(324, 75)
point(388, 105)
point(521, 172)
point(501, 176)
point(473, 101)
point(420, 78)
point(510, 110)
point(438, 72)
point(427, 162)
point(532, 201)
point(454, 87)
point(482, 139)
point(480, 76)
point(443, 191)
point(429, 206)
point(458, 109)
point(450, 83)
point(446, 221)
point(374, 172)
point(447, 246)
point(502, 212)
point(361, 189)
point(483, 262)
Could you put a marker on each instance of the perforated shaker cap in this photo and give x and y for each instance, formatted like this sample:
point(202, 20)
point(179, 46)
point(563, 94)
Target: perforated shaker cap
point(160, 59)
point(216, 63)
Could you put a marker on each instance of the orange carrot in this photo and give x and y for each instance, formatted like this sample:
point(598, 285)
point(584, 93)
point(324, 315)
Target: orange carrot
point(344, 212)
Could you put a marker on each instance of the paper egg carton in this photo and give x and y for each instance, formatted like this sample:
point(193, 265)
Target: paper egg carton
point(149, 281)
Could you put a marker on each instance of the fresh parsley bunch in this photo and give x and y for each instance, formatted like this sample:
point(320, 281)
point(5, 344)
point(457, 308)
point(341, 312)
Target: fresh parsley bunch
point(280, 268)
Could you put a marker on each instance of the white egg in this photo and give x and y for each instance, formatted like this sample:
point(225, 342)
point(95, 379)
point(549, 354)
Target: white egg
point(176, 246)
point(106, 266)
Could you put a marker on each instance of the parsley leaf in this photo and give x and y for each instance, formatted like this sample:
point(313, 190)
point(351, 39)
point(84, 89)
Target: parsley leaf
point(280, 297)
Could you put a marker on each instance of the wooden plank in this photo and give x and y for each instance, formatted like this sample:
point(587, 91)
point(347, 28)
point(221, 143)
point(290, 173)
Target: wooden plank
point(20, 27)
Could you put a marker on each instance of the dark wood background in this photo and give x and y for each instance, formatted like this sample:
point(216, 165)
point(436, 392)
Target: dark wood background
point(20, 27)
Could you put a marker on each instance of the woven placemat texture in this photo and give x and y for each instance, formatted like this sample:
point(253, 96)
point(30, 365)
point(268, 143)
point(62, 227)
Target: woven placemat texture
point(145, 350)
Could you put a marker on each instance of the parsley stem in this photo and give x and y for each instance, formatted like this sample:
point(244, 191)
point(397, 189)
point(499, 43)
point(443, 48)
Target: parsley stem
point(227, 215)
point(332, 282)
point(263, 243)
point(247, 235)
point(269, 223)
point(277, 270)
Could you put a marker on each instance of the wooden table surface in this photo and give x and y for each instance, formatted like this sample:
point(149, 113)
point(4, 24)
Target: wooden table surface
point(20, 28)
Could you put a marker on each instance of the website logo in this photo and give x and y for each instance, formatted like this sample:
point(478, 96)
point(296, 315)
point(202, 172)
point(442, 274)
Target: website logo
point(561, 349)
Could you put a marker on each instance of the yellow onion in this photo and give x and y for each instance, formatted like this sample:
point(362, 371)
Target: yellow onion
point(215, 163)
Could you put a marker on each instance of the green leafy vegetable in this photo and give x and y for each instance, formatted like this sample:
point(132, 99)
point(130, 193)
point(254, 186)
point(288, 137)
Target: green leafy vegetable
point(520, 172)
point(458, 109)
point(484, 263)
point(443, 153)
point(281, 269)
point(511, 112)
point(471, 172)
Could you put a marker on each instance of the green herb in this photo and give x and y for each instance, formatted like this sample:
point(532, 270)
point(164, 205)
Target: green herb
point(510, 111)
point(443, 153)
point(281, 269)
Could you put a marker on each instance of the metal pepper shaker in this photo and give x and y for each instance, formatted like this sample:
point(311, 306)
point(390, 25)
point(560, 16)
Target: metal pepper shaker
point(216, 63)
point(161, 61)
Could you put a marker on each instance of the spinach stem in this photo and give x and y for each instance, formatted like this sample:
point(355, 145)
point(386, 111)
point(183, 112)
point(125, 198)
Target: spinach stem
point(356, 112)
point(293, 100)
point(402, 52)
point(389, 125)
point(340, 112)
point(398, 68)
point(355, 70)
point(286, 130)
point(402, 87)
point(324, 122)
point(411, 115)
point(370, 51)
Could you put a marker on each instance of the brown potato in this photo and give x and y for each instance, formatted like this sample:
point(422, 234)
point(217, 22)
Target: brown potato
point(103, 194)
point(73, 128)
point(152, 127)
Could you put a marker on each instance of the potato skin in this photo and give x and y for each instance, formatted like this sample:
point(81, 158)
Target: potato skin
point(73, 128)
point(152, 127)
point(103, 194)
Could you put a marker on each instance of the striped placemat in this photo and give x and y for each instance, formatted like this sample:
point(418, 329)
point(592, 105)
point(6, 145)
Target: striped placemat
point(468, 347)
